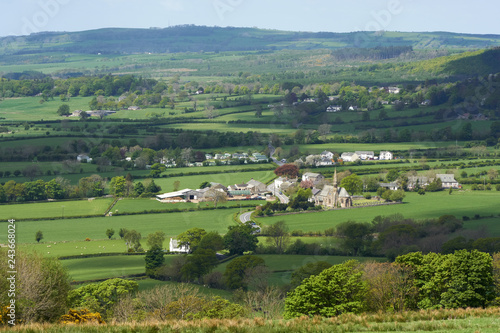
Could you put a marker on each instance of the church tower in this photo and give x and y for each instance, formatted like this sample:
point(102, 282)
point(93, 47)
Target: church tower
point(335, 192)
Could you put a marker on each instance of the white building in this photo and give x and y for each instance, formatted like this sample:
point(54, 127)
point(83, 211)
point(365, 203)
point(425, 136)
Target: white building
point(386, 155)
point(176, 247)
point(83, 157)
point(327, 154)
point(334, 108)
point(365, 155)
point(349, 157)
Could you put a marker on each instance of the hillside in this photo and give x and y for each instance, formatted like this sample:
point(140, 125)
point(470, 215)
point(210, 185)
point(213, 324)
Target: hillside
point(213, 39)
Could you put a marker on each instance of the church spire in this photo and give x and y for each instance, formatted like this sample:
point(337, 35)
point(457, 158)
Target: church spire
point(335, 182)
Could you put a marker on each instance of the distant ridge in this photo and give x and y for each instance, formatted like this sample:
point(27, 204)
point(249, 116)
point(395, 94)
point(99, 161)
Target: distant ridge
point(191, 38)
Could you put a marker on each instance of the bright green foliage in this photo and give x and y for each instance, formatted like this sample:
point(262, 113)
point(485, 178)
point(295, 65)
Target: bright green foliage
point(100, 297)
point(154, 258)
point(434, 186)
point(236, 270)
point(459, 280)
point(337, 290)
point(312, 268)
point(352, 184)
point(156, 239)
point(219, 308)
point(240, 239)
point(63, 110)
point(191, 237)
point(118, 186)
point(133, 240)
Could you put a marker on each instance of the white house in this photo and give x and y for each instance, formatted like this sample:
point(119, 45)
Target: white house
point(334, 108)
point(314, 177)
point(365, 155)
point(393, 90)
point(83, 157)
point(176, 247)
point(385, 155)
point(325, 162)
point(327, 154)
point(448, 180)
point(349, 157)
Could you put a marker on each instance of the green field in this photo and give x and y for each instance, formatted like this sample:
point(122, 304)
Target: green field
point(430, 205)
point(59, 209)
point(94, 228)
point(193, 182)
point(75, 248)
point(104, 267)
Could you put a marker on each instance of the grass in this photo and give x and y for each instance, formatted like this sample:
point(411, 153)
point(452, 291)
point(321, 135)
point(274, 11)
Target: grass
point(94, 228)
point(75, 248)
point(430, 205)
point(103, 267)
point(146, 284)
point(193, 182)
point(41, 210)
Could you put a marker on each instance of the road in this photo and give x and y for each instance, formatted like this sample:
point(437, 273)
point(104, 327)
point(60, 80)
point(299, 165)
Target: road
point(245, 217)
point(283, 198)
point(271, 153)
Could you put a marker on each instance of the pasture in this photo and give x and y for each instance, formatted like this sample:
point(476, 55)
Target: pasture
point(430, 205)
point(172, 224)
point(60, 209)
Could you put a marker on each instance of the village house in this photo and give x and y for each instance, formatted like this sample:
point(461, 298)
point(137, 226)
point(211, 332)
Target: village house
point(175, 246)
point(365, 155)
point(83, 157)
point(391, 186)
point(325, 162)
point(133, 108)
point(334, 108)
point(393, 90)
point(314, 177)
point(327, 154)
point(349, 157)
point(385, 155)
point(447, 181)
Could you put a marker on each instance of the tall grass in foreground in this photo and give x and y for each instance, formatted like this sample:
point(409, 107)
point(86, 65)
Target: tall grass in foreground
point(455, 321)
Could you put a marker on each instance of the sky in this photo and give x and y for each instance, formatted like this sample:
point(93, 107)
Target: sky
point(22, 17)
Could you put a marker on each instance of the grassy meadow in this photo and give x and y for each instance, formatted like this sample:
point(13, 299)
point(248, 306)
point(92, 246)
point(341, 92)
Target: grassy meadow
point(430, 205)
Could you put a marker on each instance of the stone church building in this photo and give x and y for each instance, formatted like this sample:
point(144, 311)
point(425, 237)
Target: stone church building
point(333, 196)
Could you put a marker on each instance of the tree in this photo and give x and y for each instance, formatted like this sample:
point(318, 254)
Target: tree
point(133, 240)
point(459, 280)
point(177, 184)
point(122, 232)
point(118, 186)
point(392, 175)
point(42, 286)
point(110, 233)
point(154, 259)
point(278, 235)
point(492, 174)
point(191, 238)
point(63, 110)
point(212, 240)
point(356, 237)
point(215, 196)
point(302, 273)
point(199, 263)
point(156, 239)
point(38, 236)
point(352, 184)
point(337, 290)
point(236, 270)
point(240, 239)
point(156, 170)
point(288, 170)
point(324, 129)
point(100, 297)
point(205, 184)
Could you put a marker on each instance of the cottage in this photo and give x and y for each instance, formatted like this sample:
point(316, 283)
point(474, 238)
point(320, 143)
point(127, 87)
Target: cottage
point(393, 90)
point(385, 155)
point(257, 187)
point(365, 155)
point(314, 177)
point(448, 180)
point(391, 186)
point(175, 246)
point(349, 157)
point(83, 157)
point(334, 108)
point(325, 162)
point(327, 154)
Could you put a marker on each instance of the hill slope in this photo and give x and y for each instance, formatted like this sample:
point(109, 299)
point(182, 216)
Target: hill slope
point(200, 38)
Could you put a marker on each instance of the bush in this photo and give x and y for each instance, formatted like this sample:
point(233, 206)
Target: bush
point(80, 317)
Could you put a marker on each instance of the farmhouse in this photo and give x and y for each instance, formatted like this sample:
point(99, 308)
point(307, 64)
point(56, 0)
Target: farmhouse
point(334, 108)
point(314, 177)
point(176, 247)
point(448, 180)
point(365, 155)
point(391, 186)
point(349, 157)
point(385, 155)
point(333, 196)
point(325, 162)
point(327, 154)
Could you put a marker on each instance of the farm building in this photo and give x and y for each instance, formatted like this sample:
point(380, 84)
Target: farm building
point(176, 247)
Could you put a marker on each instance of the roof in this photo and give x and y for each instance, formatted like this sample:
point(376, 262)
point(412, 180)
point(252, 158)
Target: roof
point(174, 194)
point(255, 183)
point(447, 178)
point(240, 192)
point(312, 174)
point(347, 154)
point(364, 152)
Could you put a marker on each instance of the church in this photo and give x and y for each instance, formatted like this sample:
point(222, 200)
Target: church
point(333, 196)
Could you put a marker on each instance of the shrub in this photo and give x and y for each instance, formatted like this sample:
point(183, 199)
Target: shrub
point(80, 317)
